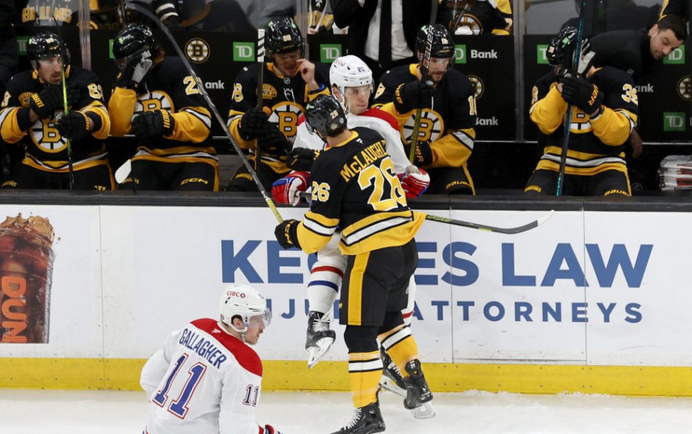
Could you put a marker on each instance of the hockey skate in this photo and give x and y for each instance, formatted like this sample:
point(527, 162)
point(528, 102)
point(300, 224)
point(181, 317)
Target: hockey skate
point(319, 337)
point(391, 380)
point(366, 420)
point(418, 394)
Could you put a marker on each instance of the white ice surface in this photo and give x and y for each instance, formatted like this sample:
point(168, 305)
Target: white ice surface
point(112, 412)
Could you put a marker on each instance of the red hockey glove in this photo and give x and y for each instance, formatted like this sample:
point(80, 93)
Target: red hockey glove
point(268, 429)
point(415, 183)
point(286, 191)
point(286, 234)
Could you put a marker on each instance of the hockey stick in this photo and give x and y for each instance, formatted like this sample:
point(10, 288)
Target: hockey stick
point(510, 231)
point(425, 64)
point(213, 108)
point(568, 115)
point(260, 90)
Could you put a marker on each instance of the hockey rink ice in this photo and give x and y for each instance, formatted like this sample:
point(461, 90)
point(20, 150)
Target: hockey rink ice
point(116, 412)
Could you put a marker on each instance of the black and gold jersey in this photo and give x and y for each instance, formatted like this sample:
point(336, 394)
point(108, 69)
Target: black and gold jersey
point(49, 13)
point(285, 97)
point(596, 144)
point(320, 16)
point(45, 148)
point(448, 125)
point(168, 86)
point(355, 189)
point(485, 17)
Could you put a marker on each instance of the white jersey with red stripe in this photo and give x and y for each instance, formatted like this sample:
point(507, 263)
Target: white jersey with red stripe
point(376, 119)
point(203, 381)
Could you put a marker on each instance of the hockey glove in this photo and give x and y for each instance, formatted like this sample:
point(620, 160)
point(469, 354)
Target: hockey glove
point(301, 158)
point(286, 191)
point(413, 95)
point(136, 67)
point(424, 156)
point(273, 143)
point(155, 123)
point(74, 125)
point(414, 183)
point(253, 124)
point(50, 100)
point(286, 234)
point(580, 92)
point(268, 429)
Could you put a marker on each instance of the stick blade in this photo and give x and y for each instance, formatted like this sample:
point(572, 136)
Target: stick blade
point(123, 172)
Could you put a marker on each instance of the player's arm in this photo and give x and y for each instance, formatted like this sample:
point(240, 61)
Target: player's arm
point(503, 9)
point(345, 11)
point(192, 121)
point(14, 119)
point(94, 109)
point(619, 113)
point(156, 367)
point(242, 100)
point(121, 107)
point(547, 109)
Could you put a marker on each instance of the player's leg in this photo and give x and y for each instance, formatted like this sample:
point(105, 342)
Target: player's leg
point(609, 183)
point(542, 182)
point(197, 176)
point(325, 281)
point(99, 178)
point(451, 180)
point(26, 177)
point(144, 176)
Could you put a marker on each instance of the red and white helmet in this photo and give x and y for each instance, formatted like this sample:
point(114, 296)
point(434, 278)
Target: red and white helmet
point(243, 301)
point(349, 71)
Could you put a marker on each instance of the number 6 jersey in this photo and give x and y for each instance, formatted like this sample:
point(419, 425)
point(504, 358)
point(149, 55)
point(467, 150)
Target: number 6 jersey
point(203, 381)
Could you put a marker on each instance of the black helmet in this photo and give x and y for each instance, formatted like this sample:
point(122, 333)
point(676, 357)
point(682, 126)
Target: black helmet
point(46, 44)
point(560, 51)
point(442, 42)
point(325, 114)
point(134, 39)
point(283, 36)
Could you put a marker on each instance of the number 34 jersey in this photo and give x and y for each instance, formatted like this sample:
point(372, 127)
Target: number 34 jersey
point(203, 381)
point(355, 189)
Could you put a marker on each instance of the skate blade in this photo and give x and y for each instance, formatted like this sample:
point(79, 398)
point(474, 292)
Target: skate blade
point(316, 352)
point(389, 385)
point(425, 411)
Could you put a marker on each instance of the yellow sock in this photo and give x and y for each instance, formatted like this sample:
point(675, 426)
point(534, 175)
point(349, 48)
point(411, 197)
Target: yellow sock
point(364, 372)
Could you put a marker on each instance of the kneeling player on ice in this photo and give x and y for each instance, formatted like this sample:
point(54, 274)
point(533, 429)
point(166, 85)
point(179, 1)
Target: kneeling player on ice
point(355, 188)
point(206, 379)
point(352, 85)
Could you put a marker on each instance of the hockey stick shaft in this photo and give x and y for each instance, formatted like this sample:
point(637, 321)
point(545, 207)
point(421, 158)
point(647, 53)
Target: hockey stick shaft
point(482, 227)
point(568, 115)
point(212, 107)
point(260, 90)
point(68, 142)
point(425, 64)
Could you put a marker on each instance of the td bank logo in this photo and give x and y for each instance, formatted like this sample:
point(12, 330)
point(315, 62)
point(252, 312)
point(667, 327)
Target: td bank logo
point(541, 59)
point(676, 57)
point(329, 52)
point(243, 52)
point(674, 121)
point(460, 54)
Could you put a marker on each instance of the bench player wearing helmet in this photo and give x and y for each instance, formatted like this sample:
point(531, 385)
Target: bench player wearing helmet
point(157, 100)
point(604, 114)
point(207, 379)
point(355, 188)
point(32, 116)
point(290, 81)
point(446, 135)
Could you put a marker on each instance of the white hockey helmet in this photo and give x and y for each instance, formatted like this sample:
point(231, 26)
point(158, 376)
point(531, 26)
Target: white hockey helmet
point(243, 301)
point(349, 71)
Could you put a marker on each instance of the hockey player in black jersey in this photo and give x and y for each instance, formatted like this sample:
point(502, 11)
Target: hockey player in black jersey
point(157, 100)
point(33, 116)
point(290, 82)
point(604, 114)
point(476, 17)
point(355, 189)
point(446, 135)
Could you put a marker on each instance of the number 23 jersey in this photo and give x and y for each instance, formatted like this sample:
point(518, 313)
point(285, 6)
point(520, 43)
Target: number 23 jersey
point(203, 381)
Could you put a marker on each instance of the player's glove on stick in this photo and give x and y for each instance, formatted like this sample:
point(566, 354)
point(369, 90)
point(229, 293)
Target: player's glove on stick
point(155, 123)
point(415, 183)
point(253, 124)
point(580, 92)
point(413, 95)
point(286, 191)
point(272, 142)
point(50, 100)
point(301, 159)
point(286, 234)
point(136, 67)
point(424, 155)
point(74, 125)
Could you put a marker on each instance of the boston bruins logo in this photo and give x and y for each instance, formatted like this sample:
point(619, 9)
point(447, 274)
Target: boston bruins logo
point(197, 50)
point(477, 84)
point(285, 116)
point(153, 101)
point(46, 137)
point(431, 127)
point(469, 25)
point(685, 88)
